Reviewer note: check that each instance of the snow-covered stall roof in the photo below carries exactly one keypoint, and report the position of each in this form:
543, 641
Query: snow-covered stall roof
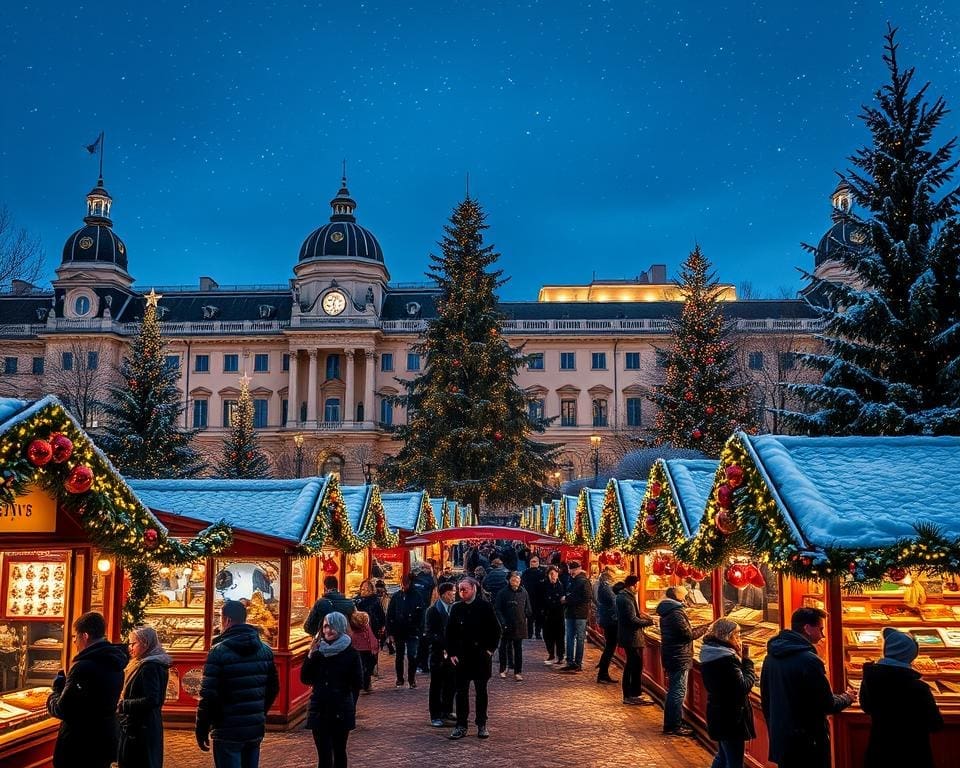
691, 481
403, 509
356, 498
441, 512
569, 514
631, 500
594, 499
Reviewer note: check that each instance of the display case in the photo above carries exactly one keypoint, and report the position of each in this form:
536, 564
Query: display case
303, 594
255, 583
177, 607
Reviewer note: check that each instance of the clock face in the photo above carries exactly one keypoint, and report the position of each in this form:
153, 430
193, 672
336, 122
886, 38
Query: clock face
334, 303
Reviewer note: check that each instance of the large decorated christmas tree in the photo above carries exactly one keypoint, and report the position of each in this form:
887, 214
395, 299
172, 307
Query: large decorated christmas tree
468, 431
892, 336
242, 456
702, 400
142, 435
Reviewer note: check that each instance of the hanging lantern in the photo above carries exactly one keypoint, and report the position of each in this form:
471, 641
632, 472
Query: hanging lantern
62, 447
39, 452
725, 522
79, 480
734, 475
650, 525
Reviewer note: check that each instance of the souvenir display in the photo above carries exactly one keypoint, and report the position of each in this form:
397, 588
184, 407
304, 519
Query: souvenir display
33, 589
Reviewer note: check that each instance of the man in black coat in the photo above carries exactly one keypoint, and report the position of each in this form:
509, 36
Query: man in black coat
630, 624
607, 619
441, 671
532, 580
405, 627
795, 694
576, 608
473, 634
85, 700
424, 582
333, 600
676, 653
239, 686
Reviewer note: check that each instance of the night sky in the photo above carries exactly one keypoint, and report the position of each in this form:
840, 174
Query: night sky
601, 137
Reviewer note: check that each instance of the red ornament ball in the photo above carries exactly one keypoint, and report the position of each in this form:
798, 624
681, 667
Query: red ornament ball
806, 561
711, 360
754, 576
651, 505
456, 363
696, 574
680, 570
725, 522
897, 574
151, 538
710, 410
696, 434
79, 480
736, 576
39, 452
498, 435
330, 565
852, 566
734, 475
657, 566
655, 490
725, 496
650, 525
62, 447
668, 568
688, 396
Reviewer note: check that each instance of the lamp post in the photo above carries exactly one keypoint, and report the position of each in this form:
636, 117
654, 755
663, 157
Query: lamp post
595, 443
556, 480
298, 452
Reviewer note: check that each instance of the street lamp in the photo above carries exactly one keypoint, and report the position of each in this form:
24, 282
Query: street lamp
595, 442
298, 442
556, 480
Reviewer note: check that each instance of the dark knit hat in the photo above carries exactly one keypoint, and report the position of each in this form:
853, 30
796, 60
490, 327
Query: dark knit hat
631, 580
573, 564
899, 646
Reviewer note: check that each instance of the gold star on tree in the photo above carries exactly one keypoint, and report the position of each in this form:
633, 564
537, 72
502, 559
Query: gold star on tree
153, 298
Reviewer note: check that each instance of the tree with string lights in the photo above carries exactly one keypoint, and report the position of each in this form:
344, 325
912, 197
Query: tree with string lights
469, 431
242, 456
142, 413
703, 399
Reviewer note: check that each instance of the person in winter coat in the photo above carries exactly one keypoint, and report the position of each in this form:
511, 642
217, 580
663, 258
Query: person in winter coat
496, 578
405, 627
369, 602
795, 694
366, 644
441, 671
508, 554
576, 608
901, 706
473, 634
607, 619
426, 584
676, 654
512, 606
144, 691
551, 595
532, 580
239, 686
334, 670
84, 700
630, 624
333, 600
728, 676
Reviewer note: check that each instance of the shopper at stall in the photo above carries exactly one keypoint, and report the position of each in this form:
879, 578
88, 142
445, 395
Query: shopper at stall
369, 602
903, 712
630, 624
496, 578
512, 606
333, 600
144, 691
676, 655
473, 633
532, 580
728, 676
607, 619
239, 686
576, 608
551, 602
334, 670
85, 699
405, 627
366, 644
795, 694
441, 671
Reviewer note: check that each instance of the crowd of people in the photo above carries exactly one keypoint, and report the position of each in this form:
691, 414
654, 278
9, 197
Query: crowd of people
452, 626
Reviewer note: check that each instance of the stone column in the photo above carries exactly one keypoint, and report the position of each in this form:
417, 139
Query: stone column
293, 393
312, 390
369, 405
349, 411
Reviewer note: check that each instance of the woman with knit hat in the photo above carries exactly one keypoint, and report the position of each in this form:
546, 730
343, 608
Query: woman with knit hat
902, 710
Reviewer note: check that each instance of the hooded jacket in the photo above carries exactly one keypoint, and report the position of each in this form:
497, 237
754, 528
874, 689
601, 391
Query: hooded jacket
86, 705
239, 685
677, 635
495, 580
728, 680
796, 698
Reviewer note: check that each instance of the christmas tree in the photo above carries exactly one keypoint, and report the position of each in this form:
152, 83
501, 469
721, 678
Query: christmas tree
892, 334
702, 400
468, 430
142, 435
242, 456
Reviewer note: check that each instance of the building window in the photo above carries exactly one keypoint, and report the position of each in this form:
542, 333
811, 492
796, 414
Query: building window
9, 365
386, 361
285, 363
788, 361
599, 413
535, 361
261, 363
662, 359
633, 361
598, 361
755, 361
413, 361
568, 361
173, 362
568, 413
386, 412
81, 306
38, 365
66, 361
331, 409
229, 409
231, 363
333, 366
93, 360
633, 411
284, 411
200, 414
535, 409
259, 413
201, 364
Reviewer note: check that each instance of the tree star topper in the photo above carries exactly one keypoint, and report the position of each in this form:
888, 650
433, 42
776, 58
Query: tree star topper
153, 298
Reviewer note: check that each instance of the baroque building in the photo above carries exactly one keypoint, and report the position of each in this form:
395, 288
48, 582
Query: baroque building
324, 351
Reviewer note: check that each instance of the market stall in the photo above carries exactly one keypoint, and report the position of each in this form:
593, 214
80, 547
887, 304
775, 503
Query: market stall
408, 513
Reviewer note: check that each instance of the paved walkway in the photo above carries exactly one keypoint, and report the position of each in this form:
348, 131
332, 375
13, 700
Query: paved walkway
549, 718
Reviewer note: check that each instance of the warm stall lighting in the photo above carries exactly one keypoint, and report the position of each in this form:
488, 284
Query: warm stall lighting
104, 565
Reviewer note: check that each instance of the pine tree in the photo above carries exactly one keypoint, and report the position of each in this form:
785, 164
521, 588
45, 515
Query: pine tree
892, 336
468, 431
242, 456
142, 436
701, 401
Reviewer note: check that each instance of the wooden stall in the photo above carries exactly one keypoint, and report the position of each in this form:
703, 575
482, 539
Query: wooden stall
408, 513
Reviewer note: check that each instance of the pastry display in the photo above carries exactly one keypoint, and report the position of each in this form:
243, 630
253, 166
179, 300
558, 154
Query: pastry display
30, 699
34, 589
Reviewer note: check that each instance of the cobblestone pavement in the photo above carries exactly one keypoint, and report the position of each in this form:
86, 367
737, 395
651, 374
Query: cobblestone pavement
550, 717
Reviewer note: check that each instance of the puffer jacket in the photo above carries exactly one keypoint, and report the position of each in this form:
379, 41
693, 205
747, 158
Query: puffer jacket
239, 685
728, 680
677, 635
495, 580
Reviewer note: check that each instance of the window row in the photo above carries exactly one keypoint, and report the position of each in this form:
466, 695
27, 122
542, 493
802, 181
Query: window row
786, 361
599, 411
231, 363
598, 361
332, 412
68, 362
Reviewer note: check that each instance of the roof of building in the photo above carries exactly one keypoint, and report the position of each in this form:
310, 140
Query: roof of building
342, 238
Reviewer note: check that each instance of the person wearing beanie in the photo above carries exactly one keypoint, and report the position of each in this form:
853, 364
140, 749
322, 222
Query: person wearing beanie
901, 706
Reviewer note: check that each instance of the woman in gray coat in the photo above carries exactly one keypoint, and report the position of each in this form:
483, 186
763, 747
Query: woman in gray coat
513, 609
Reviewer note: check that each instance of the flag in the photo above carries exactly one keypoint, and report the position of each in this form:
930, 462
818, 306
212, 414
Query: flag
92, 148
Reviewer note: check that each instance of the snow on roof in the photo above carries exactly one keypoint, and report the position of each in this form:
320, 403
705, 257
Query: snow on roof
356, 498
631, 497
691, 481
595, 498
437, 504
281, 509
403, 509
861, 492
544, 510
570, 510
10, 406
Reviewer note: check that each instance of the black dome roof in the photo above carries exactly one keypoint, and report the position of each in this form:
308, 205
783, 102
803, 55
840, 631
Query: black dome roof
342, 238
842, 237
95, 243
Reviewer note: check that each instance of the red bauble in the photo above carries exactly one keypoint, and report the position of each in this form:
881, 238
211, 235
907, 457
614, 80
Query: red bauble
151, 538
79, 480
696, 434
655, 490
710, 410
657, 566
897, 574
725, 496
711, 360
806, 561
680, 570
688, 396
651, 505
39, 452
696, 574
668, 568
498, 435
650, 525
736, 576
330, 565
62, 447
734, 474
725, 522
754, 576
852, 566
456, 363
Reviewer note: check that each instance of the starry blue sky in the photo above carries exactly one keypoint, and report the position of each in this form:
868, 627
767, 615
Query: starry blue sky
601, 137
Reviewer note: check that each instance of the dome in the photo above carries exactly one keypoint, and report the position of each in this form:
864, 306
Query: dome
342, 238
95, 243
842, 237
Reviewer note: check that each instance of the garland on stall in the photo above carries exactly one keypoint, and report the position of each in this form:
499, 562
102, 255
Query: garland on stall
658, 524
342, 536
551, 519
610, 533
444, 515
375, 529
579, 536
457, 518
563, 525
426, 520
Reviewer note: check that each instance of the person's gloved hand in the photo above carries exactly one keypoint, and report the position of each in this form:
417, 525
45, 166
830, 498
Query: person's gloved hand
59, 682
203, 739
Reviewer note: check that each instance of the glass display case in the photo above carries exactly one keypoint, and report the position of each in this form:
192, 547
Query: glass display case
176, 609
303, 594
662, 571
355, 571
750, 596
254, 582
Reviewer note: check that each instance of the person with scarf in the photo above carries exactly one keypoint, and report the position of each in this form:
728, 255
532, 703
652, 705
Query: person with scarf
367, 645
334, 670
144, 690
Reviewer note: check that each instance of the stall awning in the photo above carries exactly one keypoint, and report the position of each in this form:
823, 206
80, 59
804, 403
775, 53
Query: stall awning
484, 532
